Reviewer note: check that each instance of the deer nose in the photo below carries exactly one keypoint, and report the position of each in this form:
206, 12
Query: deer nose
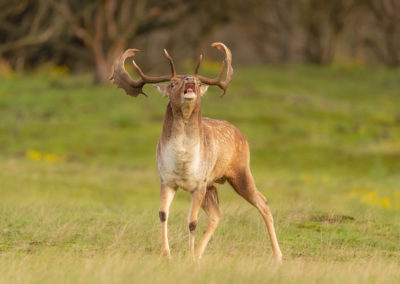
189, 79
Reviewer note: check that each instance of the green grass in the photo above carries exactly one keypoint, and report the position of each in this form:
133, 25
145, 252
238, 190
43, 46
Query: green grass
79, 191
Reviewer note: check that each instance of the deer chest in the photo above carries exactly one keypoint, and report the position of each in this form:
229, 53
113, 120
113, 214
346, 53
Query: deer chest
179, 164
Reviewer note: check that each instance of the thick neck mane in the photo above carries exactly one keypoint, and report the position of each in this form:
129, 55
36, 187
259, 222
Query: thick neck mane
177, 124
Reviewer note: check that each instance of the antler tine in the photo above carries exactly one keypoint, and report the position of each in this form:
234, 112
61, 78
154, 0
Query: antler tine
229, 71
171, 62
198, 64
122, 79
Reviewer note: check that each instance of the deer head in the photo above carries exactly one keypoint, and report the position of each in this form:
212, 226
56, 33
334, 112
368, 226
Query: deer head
182, 90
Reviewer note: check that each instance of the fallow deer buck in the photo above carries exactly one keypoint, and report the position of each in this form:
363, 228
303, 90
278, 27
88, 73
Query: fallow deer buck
194, 153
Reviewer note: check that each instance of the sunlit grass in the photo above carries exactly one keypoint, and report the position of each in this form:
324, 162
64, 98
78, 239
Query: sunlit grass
79, 191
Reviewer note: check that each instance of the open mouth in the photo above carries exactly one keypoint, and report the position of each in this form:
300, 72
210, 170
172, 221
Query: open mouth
189, 88
188, 92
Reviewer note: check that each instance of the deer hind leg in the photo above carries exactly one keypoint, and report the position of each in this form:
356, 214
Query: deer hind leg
197, 199
210, 205
167, 195
243, 183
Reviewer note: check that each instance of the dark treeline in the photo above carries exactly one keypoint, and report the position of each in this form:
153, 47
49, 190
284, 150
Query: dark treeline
91, 34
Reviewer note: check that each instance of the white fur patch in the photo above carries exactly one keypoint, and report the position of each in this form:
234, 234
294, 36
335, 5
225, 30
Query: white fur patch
163, 89
180, 163
203, 89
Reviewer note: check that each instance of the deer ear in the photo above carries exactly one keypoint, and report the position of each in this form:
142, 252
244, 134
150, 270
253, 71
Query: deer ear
203, 89
163, 89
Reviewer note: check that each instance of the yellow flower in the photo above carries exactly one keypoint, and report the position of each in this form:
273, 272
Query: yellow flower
51, 158
34, 155
370, 198
385, 202
46, 157
373, 198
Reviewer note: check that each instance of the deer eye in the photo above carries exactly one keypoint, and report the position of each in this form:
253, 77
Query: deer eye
199, 84
172, 85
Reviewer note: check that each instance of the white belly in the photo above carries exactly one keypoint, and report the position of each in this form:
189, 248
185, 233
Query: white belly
179, 164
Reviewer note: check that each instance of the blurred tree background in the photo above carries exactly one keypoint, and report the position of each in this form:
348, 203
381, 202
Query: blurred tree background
316, 91
85, 35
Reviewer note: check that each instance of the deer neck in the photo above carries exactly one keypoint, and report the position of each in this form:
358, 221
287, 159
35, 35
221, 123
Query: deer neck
182, 122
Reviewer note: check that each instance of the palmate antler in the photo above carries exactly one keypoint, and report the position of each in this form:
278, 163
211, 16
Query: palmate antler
123, 80
227, 62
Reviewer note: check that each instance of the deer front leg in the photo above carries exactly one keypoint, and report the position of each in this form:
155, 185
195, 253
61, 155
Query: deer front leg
196, 200
167, 195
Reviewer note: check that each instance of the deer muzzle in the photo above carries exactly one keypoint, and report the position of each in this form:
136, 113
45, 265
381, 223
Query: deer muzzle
189, 91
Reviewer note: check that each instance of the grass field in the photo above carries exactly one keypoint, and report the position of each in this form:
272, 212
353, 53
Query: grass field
79, 191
